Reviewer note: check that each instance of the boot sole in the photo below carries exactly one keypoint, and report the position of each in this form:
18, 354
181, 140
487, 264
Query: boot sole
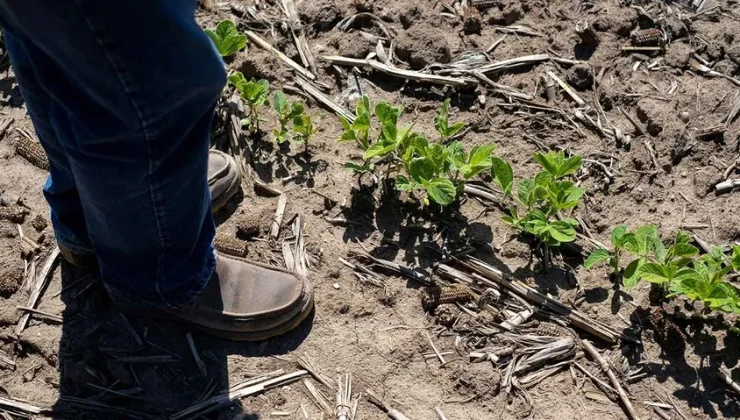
252, 336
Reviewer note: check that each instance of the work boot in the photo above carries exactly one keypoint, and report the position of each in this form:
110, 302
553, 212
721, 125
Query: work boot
223, 182
243, 301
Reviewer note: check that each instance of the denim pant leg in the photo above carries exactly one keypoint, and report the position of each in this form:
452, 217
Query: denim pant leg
60, 189
132, 87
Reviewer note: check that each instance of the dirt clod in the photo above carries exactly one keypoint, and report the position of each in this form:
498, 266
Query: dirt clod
677, 54
321, 14
650, 112
252, 224
7, 229
351, 44
621, 22
39, 223
422, 45
477, 380
581, 77
10, 281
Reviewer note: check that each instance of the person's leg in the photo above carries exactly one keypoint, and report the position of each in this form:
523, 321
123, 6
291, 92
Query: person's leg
132, 88
60, 190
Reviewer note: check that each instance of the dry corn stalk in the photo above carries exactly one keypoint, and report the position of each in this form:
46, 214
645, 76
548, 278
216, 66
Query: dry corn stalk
32, 152
346, 407
230, 246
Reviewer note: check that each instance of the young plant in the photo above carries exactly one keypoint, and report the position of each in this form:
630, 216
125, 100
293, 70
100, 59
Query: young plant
442, 122
706, 283
438, 171
639, 243
543, 198
304, 129
287, 112
254, 93
226, 38
359, 130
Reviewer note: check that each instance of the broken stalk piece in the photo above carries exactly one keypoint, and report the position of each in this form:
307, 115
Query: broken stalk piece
393, 414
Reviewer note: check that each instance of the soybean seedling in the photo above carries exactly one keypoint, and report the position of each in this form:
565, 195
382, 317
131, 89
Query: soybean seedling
226, 38
542, 199
286, 114
304, 129
706, 281
254, 93
442, 122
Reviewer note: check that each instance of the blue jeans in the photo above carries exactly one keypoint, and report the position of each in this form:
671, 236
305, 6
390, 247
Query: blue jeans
122, 95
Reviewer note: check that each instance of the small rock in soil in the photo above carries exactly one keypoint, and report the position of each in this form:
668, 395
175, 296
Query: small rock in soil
704, 181
676, 28
8, 315
512, 12
39, 223
422, 45
715, 51
471, 21
581, 77
321, 14
650, 111
10, 281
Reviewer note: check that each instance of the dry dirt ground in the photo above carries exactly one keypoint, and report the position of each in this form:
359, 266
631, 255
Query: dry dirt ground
79, 366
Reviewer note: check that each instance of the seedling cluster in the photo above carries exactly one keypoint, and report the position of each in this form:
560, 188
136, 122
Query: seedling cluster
435, 171
295, 124
678, 268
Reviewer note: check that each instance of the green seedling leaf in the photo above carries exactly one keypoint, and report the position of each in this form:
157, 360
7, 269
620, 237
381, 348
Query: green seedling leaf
557, 165
226, 38
422, 169
503, 174
280, 103
644, 237
404, 184
631, 276
359, 169
735, 257
479, 160
442, 123
441, 190
378, 150
618, 236
599, 255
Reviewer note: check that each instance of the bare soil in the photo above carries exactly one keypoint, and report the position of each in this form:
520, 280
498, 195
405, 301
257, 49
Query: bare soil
378, 333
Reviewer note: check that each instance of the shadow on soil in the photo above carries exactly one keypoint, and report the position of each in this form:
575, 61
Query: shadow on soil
116, 367
409, 229
679, 340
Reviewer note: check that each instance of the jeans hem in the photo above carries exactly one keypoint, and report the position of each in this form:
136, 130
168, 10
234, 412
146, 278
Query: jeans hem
175, 302
71, 245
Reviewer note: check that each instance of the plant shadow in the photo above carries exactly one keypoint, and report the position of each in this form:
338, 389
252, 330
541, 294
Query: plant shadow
679, 342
